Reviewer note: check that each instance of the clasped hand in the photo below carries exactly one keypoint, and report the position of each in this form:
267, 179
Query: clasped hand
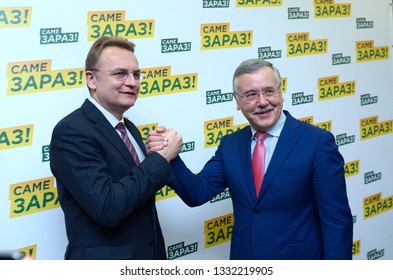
166, 142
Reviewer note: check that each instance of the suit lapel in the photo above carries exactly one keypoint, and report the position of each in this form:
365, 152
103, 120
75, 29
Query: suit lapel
244, 148
102, 125
288, 138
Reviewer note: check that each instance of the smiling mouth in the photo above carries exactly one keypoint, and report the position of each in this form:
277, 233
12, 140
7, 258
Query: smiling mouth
128, 93
263, 112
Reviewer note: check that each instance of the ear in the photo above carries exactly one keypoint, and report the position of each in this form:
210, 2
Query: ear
237, 103
90, 80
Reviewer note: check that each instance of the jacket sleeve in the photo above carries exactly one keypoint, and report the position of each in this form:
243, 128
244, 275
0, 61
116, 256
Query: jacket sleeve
331, 200
92, 174
197, 189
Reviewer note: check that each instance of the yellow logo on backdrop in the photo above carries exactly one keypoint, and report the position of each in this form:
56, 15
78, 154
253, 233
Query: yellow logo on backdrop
113, 23
17, 136
33, 196
299, 44
356, 248
146, 128
218, 36
15, 17
30, 251
365, 51
326, 125
37, 76
351, 168
258, 3
329, 9
284, 82
374, 205
164, 193
330, 87
216, 129
370, 127
218, 230
159, 81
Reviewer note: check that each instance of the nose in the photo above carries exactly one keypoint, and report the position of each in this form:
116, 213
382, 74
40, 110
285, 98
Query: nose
130, 80
263, 101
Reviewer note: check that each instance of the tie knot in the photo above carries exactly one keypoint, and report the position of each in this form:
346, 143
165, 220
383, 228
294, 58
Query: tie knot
121, 127
261, 136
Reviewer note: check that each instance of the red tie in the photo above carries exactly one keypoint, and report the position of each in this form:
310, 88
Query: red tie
258, 161
121, 127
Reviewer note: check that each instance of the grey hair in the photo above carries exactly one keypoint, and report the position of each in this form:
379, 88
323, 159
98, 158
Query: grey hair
251, 66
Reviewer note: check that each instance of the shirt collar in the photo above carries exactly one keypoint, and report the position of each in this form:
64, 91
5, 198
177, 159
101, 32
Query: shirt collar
275, 131
111, 118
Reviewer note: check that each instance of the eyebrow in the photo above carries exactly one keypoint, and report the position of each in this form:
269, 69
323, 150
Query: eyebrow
125, 70
265, 88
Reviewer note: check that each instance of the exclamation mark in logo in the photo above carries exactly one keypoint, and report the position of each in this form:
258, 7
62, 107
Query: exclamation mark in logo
150, 28
27, 139
81, 77
26, 16
284, 85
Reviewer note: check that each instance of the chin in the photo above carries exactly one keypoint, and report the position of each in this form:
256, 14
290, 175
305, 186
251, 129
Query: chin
263, 125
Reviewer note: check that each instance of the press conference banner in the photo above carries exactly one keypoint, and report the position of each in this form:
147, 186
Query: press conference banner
337, 73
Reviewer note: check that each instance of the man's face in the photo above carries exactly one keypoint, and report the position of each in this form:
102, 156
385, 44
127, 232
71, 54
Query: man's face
114, 94
263, 112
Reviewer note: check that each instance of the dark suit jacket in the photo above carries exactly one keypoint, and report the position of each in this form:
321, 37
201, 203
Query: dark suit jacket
108, 201
302, 211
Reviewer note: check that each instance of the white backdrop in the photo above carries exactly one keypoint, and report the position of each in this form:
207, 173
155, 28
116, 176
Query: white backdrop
334, 57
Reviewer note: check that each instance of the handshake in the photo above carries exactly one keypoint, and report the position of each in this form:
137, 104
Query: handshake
167, 142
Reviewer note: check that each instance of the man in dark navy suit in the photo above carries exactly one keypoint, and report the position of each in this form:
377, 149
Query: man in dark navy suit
301, 210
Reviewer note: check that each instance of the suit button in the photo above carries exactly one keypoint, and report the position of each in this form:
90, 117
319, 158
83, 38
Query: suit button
151, 243
256, 211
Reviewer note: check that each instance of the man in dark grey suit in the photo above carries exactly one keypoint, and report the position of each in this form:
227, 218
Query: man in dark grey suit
108, 198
